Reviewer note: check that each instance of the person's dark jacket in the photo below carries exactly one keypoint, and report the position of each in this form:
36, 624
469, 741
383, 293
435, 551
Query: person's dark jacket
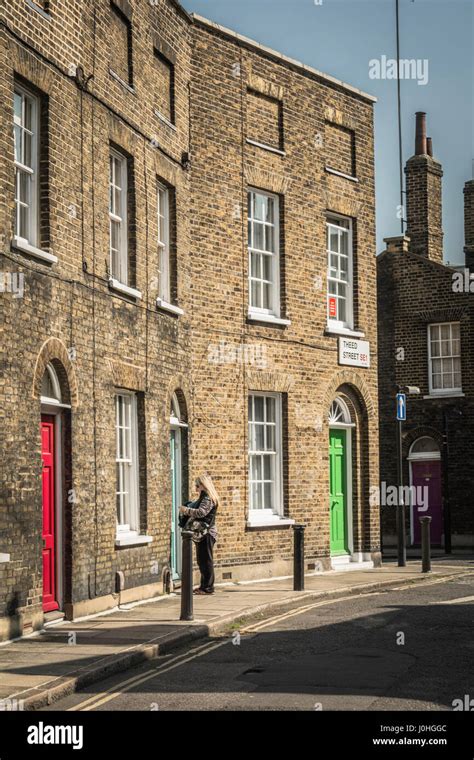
204, 510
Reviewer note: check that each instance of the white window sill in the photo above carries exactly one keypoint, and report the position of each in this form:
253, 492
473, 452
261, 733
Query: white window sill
166, 121
275, 522
254, 316
4, 558
132, 539
454, 394
343, 331
31, 4
265, 147
122, 82
23, 245
125, 289
169, 307
341, 174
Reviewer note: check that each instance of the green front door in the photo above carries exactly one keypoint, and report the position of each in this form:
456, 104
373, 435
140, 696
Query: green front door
338, 491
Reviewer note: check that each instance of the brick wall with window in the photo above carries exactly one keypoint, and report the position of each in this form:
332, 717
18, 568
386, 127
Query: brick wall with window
247, 315
425, 330
164, 86
103, 338
121, 57
31, 155
265, 119
340, 149
262, 342
425, 337
424, 334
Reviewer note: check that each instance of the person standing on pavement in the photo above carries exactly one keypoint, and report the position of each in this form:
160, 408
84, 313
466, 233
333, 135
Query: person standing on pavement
203, 510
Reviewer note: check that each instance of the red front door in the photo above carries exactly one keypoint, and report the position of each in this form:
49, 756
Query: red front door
49, 513
428, 475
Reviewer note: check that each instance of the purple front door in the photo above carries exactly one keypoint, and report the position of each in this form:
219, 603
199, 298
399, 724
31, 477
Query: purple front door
427, 475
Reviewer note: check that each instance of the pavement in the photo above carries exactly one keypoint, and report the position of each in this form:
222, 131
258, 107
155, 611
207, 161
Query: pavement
65, 657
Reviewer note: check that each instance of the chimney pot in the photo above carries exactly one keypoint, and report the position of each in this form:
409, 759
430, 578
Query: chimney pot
429, 146
420, 139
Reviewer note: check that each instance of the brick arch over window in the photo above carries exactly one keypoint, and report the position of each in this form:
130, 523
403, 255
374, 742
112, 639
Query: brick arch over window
424, 431
277, 382
183, 407
178, 387
359, 386
55, 352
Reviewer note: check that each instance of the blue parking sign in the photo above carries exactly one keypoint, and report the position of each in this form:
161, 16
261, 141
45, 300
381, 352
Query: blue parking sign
401, 406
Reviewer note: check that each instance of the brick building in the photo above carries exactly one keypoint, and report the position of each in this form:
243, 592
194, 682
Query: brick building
188, 282
282, 168
426, 340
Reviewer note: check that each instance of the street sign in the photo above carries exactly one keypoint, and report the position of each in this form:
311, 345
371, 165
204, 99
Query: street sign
355, 353
401, 407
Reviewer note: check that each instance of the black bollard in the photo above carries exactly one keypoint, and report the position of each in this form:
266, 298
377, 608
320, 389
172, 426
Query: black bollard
298, 558
425, 545
187, 577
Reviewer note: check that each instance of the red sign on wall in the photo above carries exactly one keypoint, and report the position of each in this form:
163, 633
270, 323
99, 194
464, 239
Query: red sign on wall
332, 307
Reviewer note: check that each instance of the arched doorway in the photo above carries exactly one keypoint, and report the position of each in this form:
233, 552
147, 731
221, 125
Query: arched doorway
340, 480
178, 429
426, 495
53, 410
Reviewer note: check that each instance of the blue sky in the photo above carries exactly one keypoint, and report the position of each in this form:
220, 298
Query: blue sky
340, 37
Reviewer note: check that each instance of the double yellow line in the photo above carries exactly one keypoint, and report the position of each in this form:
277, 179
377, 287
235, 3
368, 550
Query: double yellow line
101, 699
116, 691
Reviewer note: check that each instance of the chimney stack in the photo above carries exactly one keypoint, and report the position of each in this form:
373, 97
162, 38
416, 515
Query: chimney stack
400, 244
424, 197
469, 224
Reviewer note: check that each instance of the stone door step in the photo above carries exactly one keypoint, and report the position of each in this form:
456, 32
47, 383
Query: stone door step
53, 617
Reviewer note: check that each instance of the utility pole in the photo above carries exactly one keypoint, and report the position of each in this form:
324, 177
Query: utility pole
399, 102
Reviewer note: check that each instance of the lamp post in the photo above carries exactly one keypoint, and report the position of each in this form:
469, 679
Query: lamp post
402, 391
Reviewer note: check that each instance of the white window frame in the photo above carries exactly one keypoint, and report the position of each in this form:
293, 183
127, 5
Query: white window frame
119, 216
56, 398
163, 218
262, 515
431, 358
347, 324
274, 309
339, 414
129, 511
30, 171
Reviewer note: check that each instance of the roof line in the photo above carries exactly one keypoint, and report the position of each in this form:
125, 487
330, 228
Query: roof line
279, 56
418, 257
182, 10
